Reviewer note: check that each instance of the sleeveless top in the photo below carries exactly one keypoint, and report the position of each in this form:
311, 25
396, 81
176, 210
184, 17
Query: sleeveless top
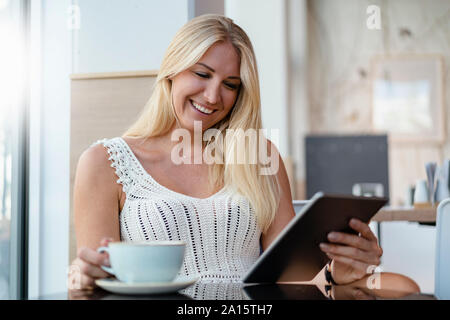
220, 232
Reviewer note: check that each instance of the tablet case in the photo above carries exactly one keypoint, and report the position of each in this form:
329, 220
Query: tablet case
295, 254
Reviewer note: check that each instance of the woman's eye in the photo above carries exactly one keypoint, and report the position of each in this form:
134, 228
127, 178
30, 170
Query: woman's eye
232, 86
202, 75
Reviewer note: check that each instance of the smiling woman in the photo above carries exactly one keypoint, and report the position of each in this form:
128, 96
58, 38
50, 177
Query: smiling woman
210, 63
208, 75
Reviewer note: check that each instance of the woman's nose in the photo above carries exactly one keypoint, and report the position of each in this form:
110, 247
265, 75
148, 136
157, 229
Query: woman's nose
212, 93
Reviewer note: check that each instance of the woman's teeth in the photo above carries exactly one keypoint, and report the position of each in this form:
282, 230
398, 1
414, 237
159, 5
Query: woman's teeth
202, 109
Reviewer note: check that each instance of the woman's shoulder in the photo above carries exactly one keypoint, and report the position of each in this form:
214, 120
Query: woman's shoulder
104, 150
98, 157
95, 157
94, 171
95, 176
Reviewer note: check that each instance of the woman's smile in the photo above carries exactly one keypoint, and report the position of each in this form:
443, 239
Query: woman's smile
201, 108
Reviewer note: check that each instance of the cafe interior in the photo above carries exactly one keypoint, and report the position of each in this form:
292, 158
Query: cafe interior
354, 94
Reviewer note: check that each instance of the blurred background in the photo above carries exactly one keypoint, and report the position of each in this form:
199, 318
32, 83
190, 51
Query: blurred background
357, 89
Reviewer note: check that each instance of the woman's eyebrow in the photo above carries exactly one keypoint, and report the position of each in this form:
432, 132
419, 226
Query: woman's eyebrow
212, 70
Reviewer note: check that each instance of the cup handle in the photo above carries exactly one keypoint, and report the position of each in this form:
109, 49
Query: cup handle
107, 269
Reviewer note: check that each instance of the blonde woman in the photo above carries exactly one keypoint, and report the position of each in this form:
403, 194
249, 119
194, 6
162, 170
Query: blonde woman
135, 188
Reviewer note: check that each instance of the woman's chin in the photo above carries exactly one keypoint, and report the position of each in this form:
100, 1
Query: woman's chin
194, 124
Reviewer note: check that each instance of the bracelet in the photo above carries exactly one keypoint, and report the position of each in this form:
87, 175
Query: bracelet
328, 292
328, 275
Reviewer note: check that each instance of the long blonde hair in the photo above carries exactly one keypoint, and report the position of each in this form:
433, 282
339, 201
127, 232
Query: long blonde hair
188, 46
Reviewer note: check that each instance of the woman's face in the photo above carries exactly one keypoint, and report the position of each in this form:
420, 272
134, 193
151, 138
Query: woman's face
207, 91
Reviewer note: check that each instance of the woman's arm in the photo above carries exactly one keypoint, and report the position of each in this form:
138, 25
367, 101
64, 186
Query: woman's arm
285, 210
95, 199
96, 214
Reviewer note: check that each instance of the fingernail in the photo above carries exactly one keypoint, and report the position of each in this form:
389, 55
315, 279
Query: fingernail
106, 262
332, 236
354, 222
323, 246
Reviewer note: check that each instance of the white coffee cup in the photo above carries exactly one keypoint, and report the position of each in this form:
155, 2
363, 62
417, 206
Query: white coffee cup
421, 192
149, 261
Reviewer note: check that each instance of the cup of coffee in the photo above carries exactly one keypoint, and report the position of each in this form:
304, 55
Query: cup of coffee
149, 261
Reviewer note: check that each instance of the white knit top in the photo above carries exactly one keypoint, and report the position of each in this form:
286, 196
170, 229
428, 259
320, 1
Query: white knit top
221, 233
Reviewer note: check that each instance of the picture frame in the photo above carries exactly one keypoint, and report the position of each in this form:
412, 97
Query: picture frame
407, 96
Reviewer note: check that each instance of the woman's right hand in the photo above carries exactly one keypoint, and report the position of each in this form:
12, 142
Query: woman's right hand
86, 268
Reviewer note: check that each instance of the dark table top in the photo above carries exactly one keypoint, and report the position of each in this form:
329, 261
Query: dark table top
376, 286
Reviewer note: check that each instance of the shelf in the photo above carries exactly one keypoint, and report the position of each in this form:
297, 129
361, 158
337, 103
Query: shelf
406, 214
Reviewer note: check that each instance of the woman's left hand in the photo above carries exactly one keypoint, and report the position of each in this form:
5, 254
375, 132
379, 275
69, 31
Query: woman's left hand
354, 256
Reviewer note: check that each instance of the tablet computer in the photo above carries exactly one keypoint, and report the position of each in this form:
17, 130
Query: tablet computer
295, 254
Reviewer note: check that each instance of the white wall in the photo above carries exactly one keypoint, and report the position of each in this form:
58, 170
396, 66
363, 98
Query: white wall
199, 7
264, 22
125, 35
49, 163
122, 35
297, 99
409, 249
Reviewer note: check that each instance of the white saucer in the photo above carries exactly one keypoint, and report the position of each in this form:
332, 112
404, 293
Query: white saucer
116, 286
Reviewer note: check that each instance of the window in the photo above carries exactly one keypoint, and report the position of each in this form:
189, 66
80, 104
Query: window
13, 147
5, 203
